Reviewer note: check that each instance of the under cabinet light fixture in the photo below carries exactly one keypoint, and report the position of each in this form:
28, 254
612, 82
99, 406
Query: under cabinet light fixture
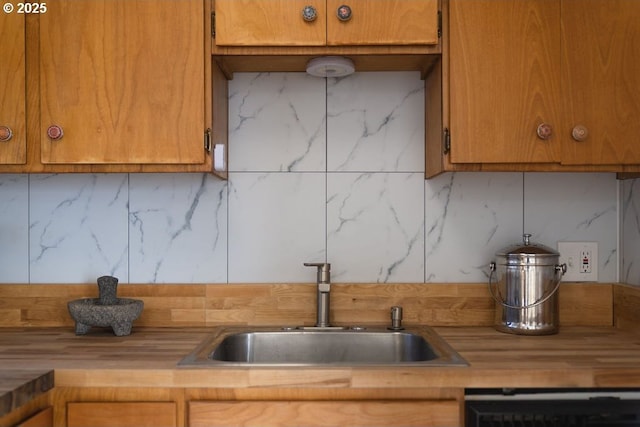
330, 66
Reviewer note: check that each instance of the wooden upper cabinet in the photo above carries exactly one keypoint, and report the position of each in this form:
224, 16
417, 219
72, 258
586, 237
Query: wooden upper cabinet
545, 81
504, 80
601, 80
281, 23
122, 82
13, 140
379, 22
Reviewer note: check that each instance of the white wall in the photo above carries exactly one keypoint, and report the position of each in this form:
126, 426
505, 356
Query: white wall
319, 169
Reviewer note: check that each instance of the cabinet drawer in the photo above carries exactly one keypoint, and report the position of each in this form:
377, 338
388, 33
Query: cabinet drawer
121, 414
44, 418
441, 413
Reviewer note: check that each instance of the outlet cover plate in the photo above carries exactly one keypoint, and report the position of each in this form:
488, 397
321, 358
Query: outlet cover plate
581, 259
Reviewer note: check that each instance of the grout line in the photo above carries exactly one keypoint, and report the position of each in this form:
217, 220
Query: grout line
28, 228
523, 205
424, 231
359, 171
128, 228
619, 226
326, 170
228, 195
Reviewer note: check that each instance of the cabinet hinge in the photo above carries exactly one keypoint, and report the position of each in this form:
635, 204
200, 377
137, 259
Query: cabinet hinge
439, 24
207, 140
446, 141
213, 25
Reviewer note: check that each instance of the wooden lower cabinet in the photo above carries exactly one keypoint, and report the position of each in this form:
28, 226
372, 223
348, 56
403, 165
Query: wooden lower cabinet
121, 414
256, 406
441, 413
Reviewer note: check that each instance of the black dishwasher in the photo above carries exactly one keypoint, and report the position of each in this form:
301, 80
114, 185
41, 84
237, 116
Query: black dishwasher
552, 407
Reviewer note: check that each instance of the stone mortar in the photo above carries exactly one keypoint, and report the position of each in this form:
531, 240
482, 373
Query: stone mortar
88, 312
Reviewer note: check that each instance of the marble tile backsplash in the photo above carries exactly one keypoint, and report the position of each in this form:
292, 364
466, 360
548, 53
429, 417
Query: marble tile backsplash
320, 169
630, 235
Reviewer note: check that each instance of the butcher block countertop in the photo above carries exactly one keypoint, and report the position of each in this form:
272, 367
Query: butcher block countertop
579, 356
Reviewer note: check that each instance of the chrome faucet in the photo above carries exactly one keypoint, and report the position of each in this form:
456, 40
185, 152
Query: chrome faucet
324, 289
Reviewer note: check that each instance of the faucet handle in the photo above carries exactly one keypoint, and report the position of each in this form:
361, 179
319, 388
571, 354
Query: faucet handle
318, 264
324, 270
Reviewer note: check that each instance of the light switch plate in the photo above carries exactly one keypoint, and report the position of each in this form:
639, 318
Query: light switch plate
581, 259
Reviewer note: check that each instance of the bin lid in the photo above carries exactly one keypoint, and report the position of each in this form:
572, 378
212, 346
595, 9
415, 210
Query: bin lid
527, 248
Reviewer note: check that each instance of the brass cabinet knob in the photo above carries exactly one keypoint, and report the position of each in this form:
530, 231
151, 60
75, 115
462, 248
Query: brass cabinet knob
544, 131
580, 133
5, 133
309, 13
344, 13
54, 132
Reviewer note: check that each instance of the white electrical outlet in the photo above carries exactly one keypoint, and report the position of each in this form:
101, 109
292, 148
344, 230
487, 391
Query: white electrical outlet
585, 261
581, 259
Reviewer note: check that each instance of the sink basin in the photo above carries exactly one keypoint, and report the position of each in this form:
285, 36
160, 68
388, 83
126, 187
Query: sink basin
237, 346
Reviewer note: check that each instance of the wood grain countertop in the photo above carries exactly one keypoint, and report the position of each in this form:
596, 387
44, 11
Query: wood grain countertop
578, 356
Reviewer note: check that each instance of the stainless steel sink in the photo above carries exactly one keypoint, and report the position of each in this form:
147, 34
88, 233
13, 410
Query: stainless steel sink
310, 346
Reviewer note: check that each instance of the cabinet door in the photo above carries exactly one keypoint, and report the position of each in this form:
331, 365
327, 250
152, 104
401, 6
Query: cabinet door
504, 80
124, 80
13, 141
383, 22
44, 418
121, 414
268, 23
441, 413
601, 79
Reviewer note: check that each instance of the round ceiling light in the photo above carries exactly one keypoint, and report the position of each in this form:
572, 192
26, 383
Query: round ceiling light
330, 66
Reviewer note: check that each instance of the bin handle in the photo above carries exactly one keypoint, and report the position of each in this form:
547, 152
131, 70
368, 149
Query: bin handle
560, 268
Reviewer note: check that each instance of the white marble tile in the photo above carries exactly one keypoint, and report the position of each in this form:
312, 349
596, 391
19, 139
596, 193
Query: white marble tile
575, 207
375, 227
630, 200
375, 122
276, 223
178, 228
276, 122
14, 228
469, 217
78, 227
372, 215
